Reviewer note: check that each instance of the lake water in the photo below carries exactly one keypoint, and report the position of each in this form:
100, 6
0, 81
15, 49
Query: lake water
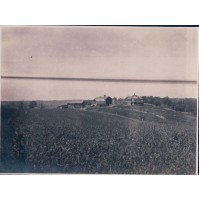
24, 89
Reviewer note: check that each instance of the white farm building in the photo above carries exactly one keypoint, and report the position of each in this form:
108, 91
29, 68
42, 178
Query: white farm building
134, 100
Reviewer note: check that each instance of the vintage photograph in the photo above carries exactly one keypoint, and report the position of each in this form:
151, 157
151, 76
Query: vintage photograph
99, 100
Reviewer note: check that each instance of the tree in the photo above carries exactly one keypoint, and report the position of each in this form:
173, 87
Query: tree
166, 100
151, 100
144, 99
157, 102
33, 104
42, 106
21, 105
109, 100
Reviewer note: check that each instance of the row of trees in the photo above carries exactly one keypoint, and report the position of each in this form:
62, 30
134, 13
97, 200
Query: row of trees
182, 105
31, 105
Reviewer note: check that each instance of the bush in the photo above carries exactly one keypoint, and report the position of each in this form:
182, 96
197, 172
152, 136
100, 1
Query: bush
33, 104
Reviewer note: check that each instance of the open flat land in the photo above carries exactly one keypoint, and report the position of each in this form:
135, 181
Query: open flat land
115, 139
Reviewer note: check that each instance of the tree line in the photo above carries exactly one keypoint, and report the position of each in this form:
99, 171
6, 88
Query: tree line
177, 104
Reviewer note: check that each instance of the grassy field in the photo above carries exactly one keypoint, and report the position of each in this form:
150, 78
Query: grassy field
138, 140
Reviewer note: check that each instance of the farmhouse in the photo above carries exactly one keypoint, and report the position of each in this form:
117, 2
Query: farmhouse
101, 101
134, 100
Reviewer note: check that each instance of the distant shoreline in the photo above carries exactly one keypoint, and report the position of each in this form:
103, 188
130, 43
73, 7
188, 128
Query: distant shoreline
101, 79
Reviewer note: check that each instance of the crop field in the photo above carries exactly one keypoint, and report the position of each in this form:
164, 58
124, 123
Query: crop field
114, 140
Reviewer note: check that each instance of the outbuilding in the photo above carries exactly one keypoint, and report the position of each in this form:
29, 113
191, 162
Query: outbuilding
86, 103
75, 103
101, 100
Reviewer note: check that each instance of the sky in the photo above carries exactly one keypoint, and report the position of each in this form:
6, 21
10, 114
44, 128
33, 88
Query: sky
97, 52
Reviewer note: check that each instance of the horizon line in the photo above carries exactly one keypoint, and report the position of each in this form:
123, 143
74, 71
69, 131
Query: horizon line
99, 79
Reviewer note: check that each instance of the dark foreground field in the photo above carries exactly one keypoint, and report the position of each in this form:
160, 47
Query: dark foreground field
142, 140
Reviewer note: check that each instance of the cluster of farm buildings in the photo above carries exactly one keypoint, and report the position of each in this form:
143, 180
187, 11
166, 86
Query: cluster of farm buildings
103, 101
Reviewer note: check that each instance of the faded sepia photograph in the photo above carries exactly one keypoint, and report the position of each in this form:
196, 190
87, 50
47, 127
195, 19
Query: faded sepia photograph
99, 100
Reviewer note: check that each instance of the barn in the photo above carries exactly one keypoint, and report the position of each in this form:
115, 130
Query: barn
134, 100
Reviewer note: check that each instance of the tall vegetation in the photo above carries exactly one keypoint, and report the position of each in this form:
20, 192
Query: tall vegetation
76, 141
